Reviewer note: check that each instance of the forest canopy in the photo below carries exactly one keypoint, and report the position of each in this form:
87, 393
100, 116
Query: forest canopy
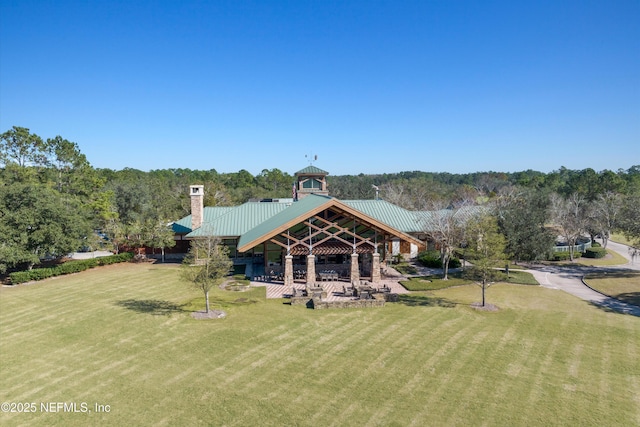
52, 178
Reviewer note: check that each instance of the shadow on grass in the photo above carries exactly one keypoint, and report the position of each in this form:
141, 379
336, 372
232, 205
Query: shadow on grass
151, 306
611, 273
629, 298
612, 305
424, 301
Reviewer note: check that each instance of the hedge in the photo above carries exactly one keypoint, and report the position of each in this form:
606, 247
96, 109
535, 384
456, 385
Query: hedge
67, 268
564, 256
597, 252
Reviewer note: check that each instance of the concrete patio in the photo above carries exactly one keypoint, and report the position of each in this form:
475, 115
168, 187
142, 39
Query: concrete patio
333, 289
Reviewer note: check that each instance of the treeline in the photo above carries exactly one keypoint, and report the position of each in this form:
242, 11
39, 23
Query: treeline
52, 201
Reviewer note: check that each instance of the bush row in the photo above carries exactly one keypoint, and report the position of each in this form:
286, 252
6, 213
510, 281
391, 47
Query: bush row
432, 259
565, 256
67, 268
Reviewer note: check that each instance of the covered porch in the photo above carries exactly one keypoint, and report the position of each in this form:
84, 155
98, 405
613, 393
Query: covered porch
320, 239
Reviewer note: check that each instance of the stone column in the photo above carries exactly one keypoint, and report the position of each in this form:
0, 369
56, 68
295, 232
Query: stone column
355, 270
311, 270
375, 268
288, 270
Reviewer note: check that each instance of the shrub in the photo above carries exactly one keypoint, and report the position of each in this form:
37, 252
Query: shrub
20, 277
595, 244
432, 259
67, 268
597, 252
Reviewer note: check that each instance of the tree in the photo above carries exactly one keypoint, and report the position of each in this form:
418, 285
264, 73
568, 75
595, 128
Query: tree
485, 249
160, 235
137, 237
445, 227
522, 215
570, 216
73, 174
115, 232
36, 222
206, 264
603, 215
19, 146
629, 219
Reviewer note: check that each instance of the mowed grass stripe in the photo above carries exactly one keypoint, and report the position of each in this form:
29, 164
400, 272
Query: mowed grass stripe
320, 365
429, 366
630, 351
512, 356
312, 355
386, 374
312, 388
254, 357
408, 382
452, 372
355, 388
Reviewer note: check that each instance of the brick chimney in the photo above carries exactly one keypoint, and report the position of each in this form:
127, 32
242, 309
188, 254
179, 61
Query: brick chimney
197, 205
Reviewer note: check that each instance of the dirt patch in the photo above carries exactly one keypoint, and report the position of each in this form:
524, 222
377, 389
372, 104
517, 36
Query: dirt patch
486, 307
212, 314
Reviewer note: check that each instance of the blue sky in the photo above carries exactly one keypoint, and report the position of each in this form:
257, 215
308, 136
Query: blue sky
367, 86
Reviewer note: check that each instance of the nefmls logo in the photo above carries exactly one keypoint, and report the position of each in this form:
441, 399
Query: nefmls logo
64, 407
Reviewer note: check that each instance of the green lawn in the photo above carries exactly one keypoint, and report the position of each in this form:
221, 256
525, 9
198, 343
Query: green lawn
613, 258
622, 285
120, 336
621, 238
435, 282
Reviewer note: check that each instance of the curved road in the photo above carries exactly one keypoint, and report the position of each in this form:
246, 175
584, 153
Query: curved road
569, 279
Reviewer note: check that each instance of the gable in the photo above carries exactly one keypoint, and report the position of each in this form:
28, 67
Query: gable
301, 211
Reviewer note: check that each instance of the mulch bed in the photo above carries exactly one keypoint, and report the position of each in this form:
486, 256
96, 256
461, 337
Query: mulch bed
212, 314
487, 307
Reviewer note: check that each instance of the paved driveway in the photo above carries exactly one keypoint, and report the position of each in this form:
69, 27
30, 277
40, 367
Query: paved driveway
569, 279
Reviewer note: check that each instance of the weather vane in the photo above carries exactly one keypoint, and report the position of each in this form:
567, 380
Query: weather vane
311, 157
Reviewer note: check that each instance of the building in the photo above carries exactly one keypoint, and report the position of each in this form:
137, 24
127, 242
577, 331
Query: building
310, 233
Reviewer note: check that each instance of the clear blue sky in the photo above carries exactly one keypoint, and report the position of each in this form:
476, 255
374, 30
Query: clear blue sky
368, 86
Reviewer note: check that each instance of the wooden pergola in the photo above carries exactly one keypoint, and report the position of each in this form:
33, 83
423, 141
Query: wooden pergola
328, 227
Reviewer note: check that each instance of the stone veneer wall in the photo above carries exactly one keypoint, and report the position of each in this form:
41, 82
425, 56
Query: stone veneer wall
316, 303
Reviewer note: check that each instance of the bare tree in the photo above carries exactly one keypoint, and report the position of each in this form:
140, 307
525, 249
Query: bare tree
570, 216
603, 215
629, 222
398, 194
445, 227
407, 194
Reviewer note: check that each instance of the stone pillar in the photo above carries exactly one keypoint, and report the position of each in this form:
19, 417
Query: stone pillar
355, 270
311, 270
288, 270
375, 268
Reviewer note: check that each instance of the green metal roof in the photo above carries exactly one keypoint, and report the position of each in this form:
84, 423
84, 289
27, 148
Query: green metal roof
301, 208
387, 213
237, 220
183, 225
311, 170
